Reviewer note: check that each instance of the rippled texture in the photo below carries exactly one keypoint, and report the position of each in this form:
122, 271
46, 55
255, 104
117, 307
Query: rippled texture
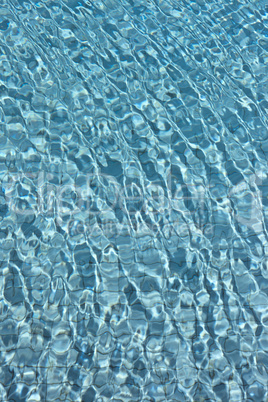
133, 200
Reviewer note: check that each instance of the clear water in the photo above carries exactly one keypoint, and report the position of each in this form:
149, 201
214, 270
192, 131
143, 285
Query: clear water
133, 200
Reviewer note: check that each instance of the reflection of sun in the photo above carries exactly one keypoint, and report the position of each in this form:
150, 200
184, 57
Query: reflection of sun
245, 103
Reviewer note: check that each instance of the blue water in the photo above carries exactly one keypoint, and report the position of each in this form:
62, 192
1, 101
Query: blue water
133, 200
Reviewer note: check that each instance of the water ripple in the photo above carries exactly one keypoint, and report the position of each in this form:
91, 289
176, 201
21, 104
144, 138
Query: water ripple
133, 200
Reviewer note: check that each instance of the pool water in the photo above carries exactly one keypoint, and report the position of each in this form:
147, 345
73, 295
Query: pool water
133, 200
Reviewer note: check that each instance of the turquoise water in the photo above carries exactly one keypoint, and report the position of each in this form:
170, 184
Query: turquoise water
133, 200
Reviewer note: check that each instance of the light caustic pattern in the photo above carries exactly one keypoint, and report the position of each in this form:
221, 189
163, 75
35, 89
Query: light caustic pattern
133, 200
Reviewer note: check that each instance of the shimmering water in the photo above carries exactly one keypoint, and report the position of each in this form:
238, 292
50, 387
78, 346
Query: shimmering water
133, 200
